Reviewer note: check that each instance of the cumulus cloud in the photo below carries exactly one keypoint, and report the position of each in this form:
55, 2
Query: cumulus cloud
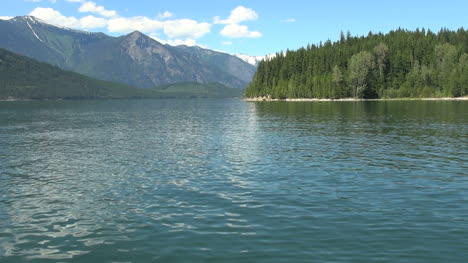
177, 42
89, 22
237, 31
5, 17
180, 28
233, 29
53, 16
56, 18
186, 28
166, 14
238, 14
91, 7
129, 24
179, 31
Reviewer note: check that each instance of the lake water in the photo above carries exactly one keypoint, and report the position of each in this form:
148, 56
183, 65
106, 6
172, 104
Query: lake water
232, 181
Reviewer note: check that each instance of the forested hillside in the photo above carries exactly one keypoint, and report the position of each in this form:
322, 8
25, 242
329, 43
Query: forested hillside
399, 64
25, 78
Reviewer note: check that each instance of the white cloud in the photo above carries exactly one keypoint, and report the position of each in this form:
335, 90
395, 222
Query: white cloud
238, 14
233, 29
5, 17
56, 18
290, 20
89, 22
177, 42
91, 7
140, 23
179, 31
227, 43
166, 14
186, 28
188, 42
237, 31
180, 28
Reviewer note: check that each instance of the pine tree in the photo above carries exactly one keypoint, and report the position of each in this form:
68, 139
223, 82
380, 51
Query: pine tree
398, 64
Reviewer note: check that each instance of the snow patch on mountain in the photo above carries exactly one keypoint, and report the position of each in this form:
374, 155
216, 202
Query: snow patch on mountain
34, 32
37, 21
254, 60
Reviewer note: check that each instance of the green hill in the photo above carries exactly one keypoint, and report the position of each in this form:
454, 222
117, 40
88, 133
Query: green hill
398, 64
25, 78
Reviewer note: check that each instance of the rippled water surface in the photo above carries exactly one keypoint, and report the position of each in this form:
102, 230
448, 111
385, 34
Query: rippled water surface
232, 181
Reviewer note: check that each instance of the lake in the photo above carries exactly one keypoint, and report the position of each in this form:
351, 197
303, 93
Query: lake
231, 181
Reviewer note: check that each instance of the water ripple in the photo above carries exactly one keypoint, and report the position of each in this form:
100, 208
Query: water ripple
229, 181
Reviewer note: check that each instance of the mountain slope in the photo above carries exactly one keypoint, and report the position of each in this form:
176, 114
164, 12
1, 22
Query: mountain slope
134, 59
25, 78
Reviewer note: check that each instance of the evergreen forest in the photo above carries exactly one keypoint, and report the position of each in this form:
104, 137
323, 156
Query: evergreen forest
399, 64
25, 78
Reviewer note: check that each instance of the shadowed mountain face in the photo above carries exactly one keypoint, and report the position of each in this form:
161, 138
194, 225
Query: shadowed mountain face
26, 78
134, 59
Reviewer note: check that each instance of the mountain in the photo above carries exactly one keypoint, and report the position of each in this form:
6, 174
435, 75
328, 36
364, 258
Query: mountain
254, 60
25, 78
398, 64
134, 59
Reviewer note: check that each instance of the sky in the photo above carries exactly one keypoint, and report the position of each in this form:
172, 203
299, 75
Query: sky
252, 27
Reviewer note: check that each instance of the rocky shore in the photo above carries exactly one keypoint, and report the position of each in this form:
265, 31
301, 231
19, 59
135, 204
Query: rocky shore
348, 99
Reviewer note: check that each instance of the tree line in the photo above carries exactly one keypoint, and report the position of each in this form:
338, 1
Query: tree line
398, 64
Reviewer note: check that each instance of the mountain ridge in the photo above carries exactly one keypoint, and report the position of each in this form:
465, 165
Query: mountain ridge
134, 59
24, 78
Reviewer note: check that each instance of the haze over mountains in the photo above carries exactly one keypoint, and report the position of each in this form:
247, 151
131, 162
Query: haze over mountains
134, 59
24, 78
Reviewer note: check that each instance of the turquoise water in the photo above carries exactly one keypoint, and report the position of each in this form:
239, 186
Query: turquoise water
232, 181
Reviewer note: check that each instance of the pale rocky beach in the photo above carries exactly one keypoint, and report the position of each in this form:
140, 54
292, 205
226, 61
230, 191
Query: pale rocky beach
351, 99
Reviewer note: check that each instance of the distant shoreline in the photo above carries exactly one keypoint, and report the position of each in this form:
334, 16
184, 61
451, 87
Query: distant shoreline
112, 98
256, 99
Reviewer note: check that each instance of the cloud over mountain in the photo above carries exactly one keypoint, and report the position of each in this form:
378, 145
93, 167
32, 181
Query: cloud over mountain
233, 29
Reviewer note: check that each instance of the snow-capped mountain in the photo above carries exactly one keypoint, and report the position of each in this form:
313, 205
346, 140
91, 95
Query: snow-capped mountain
135, 59
254, 60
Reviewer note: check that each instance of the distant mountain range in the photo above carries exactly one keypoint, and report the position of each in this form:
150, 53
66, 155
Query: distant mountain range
134, 59
25, 78
254, 60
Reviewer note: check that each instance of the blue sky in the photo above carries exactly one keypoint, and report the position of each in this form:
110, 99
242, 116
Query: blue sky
253, 27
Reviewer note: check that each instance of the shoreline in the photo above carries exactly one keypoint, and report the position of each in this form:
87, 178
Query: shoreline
130, 98
260, 99
268, 99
